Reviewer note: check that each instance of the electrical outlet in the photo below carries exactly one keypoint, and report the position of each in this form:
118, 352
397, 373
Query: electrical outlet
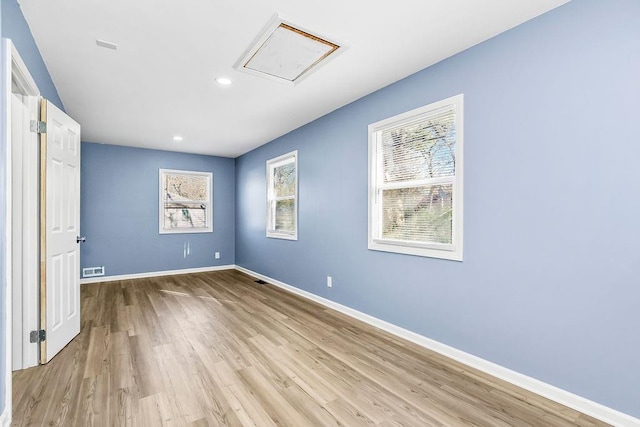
329, 282
217, 255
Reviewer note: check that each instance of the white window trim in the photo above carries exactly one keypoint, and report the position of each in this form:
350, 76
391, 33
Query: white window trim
271, 164
433, 250
209, 228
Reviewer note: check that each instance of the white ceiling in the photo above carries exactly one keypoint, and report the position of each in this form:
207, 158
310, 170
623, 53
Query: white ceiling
160, 81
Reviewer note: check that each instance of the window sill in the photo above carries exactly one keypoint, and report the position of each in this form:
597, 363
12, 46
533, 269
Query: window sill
452, 255
283, 236
186, 231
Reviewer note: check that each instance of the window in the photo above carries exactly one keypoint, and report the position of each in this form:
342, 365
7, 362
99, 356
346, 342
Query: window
185, 202
415, 181
282, 197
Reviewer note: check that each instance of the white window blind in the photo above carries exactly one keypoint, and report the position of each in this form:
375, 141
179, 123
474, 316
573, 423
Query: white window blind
415, 183
282, 196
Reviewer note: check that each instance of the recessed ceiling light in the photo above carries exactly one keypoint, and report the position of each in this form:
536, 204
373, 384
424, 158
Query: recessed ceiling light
177, 138
223, 81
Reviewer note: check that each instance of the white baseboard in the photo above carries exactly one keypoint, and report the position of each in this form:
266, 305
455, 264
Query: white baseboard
581, 404
101, 279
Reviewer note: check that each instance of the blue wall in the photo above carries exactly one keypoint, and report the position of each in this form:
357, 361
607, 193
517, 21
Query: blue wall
15, 27
119, 211
549, 282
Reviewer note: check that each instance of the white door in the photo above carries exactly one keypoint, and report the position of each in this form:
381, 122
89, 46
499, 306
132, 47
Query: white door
60, 229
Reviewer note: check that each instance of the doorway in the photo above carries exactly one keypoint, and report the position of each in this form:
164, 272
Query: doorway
44, 199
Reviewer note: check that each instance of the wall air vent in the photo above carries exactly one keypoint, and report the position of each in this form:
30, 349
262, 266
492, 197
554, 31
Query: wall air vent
284, 52
93, 271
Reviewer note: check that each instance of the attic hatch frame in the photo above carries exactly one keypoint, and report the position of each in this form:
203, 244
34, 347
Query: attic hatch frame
278, 22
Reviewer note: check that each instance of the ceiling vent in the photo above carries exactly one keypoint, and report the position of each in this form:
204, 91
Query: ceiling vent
287, 53
106, 44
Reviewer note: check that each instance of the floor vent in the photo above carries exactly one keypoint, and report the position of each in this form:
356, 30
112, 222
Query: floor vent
260, 282
93, 271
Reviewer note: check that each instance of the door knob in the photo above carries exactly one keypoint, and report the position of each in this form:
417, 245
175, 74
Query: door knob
81, 239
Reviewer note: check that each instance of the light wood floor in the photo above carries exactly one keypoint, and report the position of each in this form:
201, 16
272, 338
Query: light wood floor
218, 349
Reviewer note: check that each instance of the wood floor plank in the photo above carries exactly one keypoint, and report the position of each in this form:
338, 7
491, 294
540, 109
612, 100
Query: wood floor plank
217, 349
271, 399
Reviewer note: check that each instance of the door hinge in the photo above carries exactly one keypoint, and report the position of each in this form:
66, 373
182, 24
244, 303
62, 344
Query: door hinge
38, 336
38, 127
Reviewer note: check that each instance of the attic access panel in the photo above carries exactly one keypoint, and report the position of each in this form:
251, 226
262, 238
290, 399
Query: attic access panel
286, 53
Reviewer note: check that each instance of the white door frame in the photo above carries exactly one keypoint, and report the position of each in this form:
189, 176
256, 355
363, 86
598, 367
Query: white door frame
17, 77
25, 148
5, 93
